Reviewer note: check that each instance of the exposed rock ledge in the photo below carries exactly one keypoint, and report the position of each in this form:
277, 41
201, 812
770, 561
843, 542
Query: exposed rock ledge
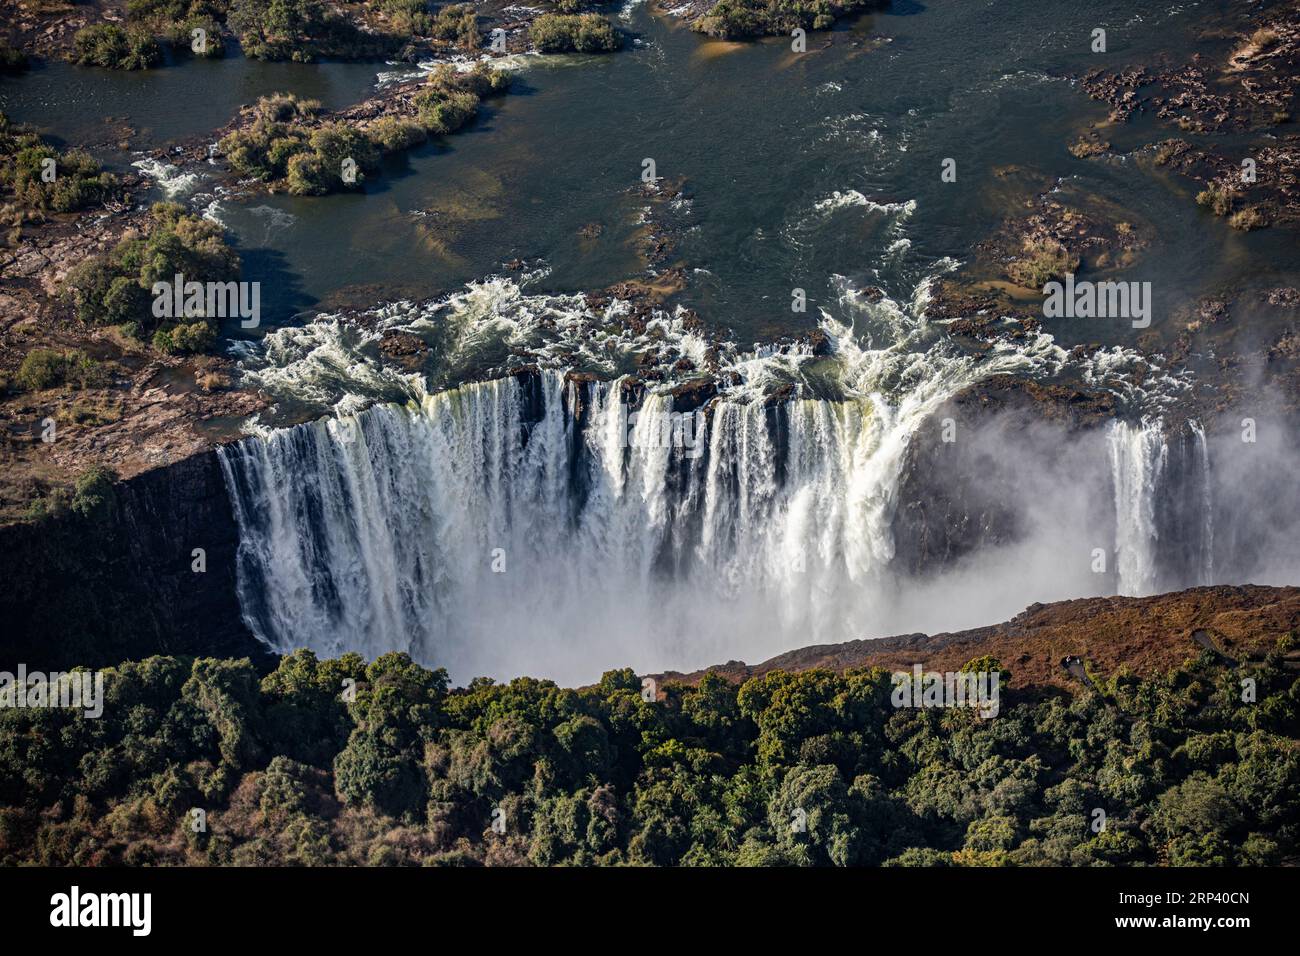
1145, 634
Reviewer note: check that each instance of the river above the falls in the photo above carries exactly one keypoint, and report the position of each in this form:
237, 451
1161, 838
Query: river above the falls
808, 171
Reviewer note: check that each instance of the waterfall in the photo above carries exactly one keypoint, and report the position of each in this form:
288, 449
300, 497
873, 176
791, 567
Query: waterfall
1164, 515
542, 506
1206, 508
1138, 456
552, 521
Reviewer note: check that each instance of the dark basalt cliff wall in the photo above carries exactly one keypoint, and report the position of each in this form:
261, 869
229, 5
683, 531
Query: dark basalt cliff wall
958, 497
118, 584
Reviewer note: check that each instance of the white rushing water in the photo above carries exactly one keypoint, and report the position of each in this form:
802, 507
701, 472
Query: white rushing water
1140, 458
171, 180
435, 528
528, 524
1206, 503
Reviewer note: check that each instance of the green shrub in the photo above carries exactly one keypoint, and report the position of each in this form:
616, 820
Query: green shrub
309, 160
130, 329
277, 134
483, 80
302, 31
185, 338
85, 372
163, 341
46, 368
41, 368
335, 143
444, 112
274, 29
176, 21
150, 11
25, 160
109, 45
116, 288
456, 23
583, 33
409, 16
181, 37
48, 506
737, 19
194, 337
317, 167
93, 491
393, 134
287, 143
372, 771
450, 99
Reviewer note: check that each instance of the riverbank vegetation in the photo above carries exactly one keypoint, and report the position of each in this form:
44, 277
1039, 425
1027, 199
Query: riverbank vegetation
36, 178
47, 368
454, 23
574, 33
741, 19
450, 99
188, 26
115, 289
343, 762
91, 494
289, 144
116, 48
279, 147
302, 31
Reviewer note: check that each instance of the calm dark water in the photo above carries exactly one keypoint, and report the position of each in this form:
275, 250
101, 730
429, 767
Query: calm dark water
763, 138
88, 105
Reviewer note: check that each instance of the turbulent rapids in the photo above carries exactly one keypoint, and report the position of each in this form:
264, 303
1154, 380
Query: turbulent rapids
533, 515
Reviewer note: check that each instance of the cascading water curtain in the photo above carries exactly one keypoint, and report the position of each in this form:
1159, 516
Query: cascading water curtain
1164, 509
524, 518
432, 529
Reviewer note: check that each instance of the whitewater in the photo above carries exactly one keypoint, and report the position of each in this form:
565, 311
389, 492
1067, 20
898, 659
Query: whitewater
511, 525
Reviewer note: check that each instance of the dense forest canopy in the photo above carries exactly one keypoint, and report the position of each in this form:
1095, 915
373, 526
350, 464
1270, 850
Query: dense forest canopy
343, 762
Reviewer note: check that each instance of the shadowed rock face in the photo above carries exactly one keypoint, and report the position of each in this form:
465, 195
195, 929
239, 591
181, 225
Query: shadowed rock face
958, 498
119, 585
951, 504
